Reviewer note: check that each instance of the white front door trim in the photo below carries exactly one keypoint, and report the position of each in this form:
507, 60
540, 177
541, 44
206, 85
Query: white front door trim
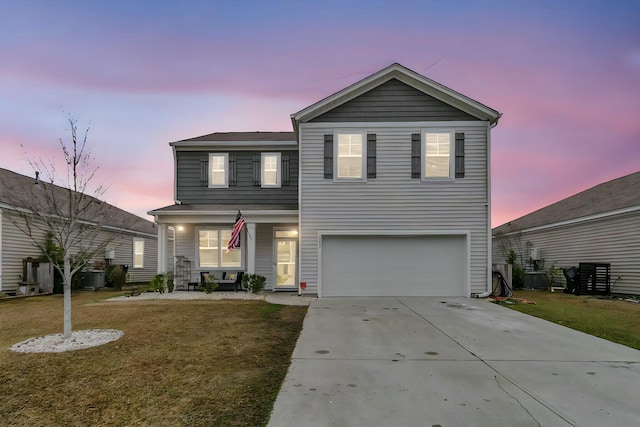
275, 258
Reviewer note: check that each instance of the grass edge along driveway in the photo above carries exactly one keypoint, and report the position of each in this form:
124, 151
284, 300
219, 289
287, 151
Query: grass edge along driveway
613, 320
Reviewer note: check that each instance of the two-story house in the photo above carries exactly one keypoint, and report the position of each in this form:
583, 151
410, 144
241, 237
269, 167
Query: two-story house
382, 188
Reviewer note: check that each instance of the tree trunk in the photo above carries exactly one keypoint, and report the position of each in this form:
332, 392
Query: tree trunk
67, 298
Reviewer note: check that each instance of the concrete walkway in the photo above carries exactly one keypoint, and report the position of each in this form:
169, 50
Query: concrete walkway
284, 298
451, 362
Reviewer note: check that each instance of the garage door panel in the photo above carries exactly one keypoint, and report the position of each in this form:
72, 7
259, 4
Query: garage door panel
394, 266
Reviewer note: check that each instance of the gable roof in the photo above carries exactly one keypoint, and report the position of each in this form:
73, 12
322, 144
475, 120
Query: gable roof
243, 136
238, 141
614, 195
404, 75
15, 187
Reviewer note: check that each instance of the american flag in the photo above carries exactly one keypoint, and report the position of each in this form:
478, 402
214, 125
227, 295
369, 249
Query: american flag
234, 240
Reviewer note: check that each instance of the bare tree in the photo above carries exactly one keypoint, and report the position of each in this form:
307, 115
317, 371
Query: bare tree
79, 225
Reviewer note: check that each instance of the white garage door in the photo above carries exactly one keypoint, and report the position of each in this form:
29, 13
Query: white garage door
394, 266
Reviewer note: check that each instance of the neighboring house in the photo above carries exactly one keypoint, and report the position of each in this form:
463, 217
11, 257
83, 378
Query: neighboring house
135, 244
382, 188
598, 225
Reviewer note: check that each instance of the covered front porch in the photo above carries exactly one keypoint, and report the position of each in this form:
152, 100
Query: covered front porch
193, 239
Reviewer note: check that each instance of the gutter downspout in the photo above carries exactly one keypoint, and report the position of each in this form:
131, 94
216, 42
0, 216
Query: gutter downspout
489, 243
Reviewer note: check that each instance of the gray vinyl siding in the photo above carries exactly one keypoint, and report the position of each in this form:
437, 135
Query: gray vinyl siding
264, 253
191, 189
150, 261
391, 102
393, 201
614, 240
186, 247
16, 246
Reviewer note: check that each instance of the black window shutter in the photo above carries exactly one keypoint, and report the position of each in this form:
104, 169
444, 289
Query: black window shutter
285, 174
204, 170
460, 155
233, 180
257, 176
328, 156
415, 155
371, 155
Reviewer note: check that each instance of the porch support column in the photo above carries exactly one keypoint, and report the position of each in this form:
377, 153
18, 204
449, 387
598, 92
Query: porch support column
162, 248
251, 247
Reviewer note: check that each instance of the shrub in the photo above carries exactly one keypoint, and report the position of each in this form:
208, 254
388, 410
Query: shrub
253, 283
157, 284
115, 276
554, 276
209, 284
170, 285
517, 277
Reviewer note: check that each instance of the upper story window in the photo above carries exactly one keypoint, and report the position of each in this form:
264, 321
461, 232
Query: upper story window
138, 253
271, 175
436, 154
350, 156
218, 170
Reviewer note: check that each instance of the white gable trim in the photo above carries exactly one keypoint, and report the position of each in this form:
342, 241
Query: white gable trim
409, 77
377, 125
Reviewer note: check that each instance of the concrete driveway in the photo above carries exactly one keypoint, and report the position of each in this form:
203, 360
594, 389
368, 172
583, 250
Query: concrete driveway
451, 362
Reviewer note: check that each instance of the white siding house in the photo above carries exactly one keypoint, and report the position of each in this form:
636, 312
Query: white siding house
124, 230
382, 188
398, 230
598, 225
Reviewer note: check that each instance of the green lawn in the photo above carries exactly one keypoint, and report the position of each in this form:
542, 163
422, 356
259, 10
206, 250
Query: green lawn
196, 363
617, 321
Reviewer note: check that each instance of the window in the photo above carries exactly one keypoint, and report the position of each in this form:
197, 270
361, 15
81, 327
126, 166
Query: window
271, 174
218, 170
212, 249
138, 253
350, 156
436, 155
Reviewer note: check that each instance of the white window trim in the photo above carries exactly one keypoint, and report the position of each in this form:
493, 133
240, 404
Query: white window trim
452, 155
221, 249
278, 183
336, 144
135, 240
226, 170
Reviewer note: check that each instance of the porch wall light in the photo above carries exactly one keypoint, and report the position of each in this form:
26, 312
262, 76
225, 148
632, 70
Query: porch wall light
180, 228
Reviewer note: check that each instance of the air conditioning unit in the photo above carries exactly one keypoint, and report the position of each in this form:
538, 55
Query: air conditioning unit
535, 254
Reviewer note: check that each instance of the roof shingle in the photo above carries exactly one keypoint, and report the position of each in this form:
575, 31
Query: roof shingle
14, 187
613, 195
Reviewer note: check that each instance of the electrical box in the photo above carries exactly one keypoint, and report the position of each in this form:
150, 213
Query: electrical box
110, 254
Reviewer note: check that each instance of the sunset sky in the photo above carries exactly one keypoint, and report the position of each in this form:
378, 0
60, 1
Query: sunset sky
565, 75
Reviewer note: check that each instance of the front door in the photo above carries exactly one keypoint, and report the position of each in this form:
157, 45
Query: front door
285, 255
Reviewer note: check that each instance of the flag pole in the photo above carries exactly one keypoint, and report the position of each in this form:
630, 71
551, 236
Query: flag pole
247, 229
